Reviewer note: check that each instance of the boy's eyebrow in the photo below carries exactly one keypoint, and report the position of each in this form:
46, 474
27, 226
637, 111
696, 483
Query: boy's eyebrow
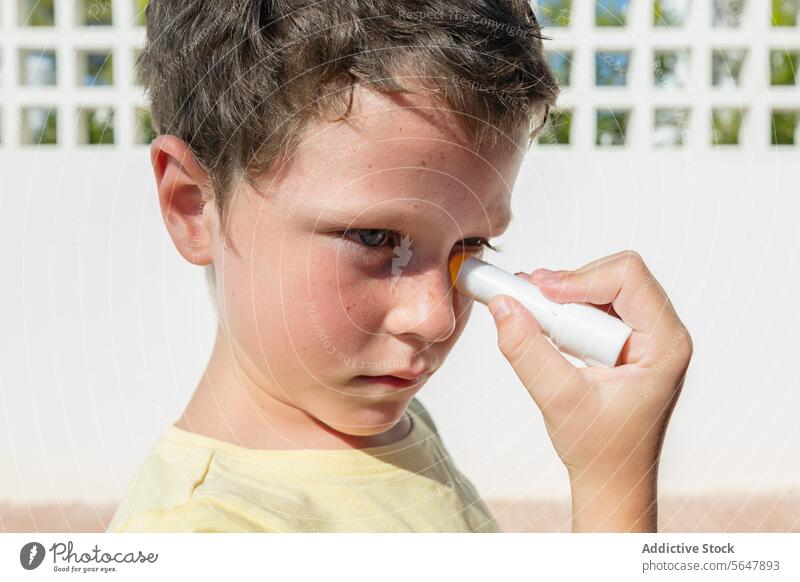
391, 219
356, 216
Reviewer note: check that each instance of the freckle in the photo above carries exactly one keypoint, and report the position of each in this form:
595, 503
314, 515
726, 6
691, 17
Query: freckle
369, 165
423, 163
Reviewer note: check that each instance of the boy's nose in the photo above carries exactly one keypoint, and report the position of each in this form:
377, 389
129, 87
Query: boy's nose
422, 304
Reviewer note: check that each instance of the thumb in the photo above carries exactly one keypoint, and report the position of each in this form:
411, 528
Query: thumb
539, 365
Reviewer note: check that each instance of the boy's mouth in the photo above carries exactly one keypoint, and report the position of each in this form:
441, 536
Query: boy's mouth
394, 381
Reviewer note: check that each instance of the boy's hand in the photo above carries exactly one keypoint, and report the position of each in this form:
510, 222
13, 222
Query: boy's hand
607, 425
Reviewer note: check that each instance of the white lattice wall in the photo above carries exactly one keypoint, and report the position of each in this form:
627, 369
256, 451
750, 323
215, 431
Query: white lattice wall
70, 41
755, 97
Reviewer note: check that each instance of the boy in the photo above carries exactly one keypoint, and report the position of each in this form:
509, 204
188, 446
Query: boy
323, 161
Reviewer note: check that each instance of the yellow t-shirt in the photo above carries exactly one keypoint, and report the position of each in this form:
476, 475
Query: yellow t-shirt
195, 483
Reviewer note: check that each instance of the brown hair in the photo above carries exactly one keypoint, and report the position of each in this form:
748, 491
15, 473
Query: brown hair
239, 80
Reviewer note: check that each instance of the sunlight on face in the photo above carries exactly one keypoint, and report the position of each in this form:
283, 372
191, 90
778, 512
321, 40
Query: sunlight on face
342, 269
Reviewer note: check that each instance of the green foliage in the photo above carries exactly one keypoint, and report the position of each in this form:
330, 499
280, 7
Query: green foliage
784, 12
99, 69
47, 132
557, 130
664, 66
666, 16
145, 132
554, 12
139, 15
611, 127
611, 12
99, 127
38, 13
97, 12
784, 127
783, 67
658, 13
725, 125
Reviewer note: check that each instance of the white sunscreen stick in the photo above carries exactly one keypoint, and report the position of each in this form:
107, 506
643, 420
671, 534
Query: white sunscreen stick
578, 329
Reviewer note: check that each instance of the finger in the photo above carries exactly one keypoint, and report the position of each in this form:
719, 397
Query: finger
539, 272
602, 260
622, 280
607, 307
549, 378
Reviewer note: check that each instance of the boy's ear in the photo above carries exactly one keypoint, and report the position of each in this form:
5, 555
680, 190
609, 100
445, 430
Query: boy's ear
182, 196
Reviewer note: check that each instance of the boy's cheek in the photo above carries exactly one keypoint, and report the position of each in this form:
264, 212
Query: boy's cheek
330, 323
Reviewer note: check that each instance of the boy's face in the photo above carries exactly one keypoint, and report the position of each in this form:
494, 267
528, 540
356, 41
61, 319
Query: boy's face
339, 271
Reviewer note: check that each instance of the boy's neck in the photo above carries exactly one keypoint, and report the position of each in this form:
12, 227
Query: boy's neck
229, 405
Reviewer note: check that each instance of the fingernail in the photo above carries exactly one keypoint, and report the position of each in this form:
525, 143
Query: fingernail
501, 309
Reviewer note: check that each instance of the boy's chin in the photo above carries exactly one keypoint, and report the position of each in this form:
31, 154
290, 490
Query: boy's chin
367, 432
371, 422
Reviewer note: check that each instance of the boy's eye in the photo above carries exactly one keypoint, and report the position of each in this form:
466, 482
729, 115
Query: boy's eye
371, 237
476, 241
375, 238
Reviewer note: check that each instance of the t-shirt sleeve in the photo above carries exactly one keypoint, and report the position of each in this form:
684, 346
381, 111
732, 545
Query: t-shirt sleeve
166, 495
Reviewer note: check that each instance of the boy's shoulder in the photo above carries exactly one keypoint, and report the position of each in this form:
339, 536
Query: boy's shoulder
162, 495
162, 485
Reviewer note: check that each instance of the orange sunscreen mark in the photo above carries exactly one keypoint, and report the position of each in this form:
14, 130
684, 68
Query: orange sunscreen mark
455, 266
